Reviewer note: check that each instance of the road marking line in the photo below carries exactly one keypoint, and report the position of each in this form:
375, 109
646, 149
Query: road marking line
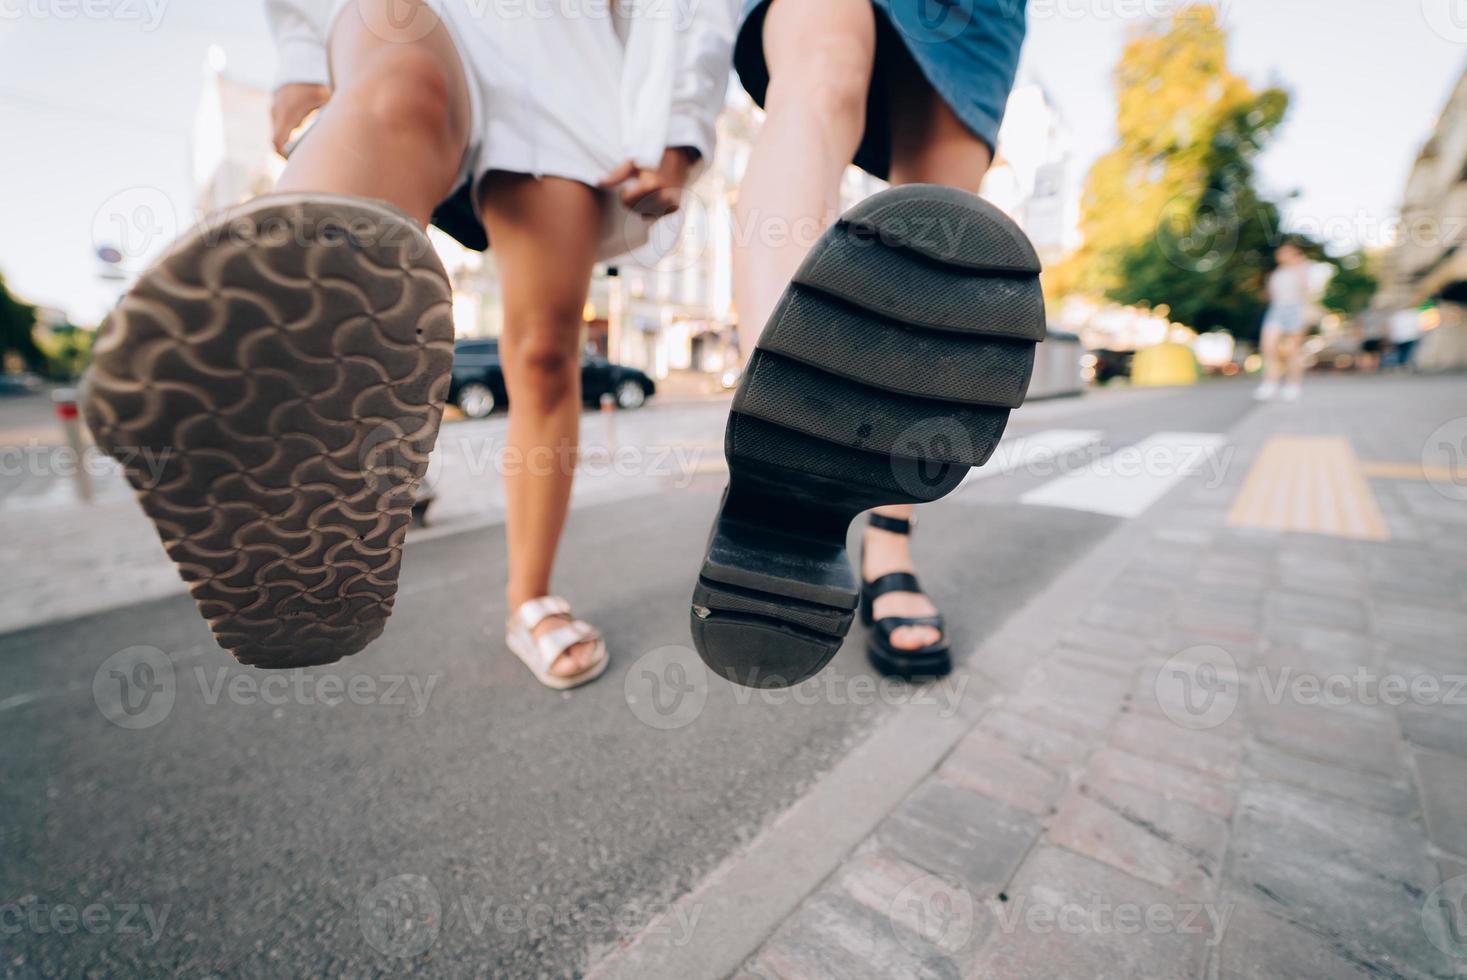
1023, 452
1128, 481
1011, 455
1312, 484
1408, 471
16, 700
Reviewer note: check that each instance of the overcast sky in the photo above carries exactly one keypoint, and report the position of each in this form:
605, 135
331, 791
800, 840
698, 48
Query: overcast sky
91, 108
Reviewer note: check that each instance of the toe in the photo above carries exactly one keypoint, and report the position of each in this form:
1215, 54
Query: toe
914, 637
576, 660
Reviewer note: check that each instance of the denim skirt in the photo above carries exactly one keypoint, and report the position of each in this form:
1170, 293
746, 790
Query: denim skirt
967, 49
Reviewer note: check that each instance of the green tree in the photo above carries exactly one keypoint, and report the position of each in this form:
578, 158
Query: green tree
17, 323
1171, 216
1354, 284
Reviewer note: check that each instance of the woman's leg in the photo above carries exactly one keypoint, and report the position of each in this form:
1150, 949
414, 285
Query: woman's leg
1268, 346
397, 124
929, 145
395, 131
544, 233
1293, 349
819, 54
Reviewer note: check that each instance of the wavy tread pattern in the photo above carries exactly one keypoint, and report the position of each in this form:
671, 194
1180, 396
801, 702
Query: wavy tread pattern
287, 363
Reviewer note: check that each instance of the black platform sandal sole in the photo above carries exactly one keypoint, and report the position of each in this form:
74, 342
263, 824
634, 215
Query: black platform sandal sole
887, 369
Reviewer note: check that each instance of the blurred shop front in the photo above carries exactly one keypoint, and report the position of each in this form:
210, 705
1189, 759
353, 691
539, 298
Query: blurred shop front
659, 335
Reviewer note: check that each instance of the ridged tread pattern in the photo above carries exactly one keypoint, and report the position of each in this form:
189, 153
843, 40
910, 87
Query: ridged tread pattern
768, 444
848, 413
905, 352
288, 361
888, 368
946, 224
900, 284
815, 328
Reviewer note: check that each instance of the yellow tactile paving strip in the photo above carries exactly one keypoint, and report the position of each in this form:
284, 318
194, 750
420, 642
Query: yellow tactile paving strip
1313, 484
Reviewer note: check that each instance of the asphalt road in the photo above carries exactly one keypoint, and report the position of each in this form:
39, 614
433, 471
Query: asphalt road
444, 814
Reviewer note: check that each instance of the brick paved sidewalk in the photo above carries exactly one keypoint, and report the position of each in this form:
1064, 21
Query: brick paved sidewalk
1232, 752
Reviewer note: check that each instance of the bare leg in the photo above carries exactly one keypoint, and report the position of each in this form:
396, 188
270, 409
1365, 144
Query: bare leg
544, 233
1269, 345
930, 145
1293, 351
819, 54
397, 124
394, 131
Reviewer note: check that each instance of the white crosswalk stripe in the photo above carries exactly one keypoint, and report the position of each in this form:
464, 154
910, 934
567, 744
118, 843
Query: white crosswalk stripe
1128, 481
1033, 451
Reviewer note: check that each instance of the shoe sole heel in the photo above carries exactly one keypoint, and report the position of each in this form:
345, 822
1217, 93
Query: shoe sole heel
287, 362
887, 370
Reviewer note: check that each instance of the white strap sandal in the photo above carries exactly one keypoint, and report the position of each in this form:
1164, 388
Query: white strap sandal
540, 653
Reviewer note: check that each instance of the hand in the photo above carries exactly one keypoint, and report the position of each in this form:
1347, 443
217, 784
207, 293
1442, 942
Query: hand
653, 193
292, 104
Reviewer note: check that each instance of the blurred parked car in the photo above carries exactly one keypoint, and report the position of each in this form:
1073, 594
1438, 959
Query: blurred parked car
478, 380
1101, 366
1339, 351
20, 384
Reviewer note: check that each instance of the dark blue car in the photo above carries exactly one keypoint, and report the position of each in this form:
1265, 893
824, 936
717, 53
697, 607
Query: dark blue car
478, 380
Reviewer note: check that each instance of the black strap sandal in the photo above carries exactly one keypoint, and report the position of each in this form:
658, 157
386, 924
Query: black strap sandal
933, 660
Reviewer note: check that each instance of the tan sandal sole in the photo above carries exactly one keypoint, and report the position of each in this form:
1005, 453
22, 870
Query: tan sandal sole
287, 362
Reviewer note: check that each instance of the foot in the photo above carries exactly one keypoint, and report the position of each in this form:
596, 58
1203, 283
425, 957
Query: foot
560, 650
1266, 391
888, 368
1289, 393
576, 660
286, 363
884, 553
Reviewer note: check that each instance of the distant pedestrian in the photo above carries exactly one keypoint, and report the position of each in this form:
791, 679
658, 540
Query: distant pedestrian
1405, 329
1291, 312
1372, 341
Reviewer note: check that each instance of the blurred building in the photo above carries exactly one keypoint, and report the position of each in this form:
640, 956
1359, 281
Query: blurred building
233, 155
1033, 177
234, 159
674, 298
677, 310
1428, 266
669, 306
